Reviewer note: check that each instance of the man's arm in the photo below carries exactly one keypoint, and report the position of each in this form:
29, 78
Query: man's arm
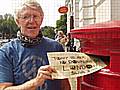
29, 85
44, 73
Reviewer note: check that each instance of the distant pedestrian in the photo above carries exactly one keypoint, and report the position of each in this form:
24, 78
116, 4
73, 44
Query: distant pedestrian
61, 38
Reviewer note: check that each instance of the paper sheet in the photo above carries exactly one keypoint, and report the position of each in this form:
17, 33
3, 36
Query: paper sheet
73, 64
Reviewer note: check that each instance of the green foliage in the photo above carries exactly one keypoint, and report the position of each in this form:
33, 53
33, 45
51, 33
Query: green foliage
8, 27
48, 31
61, 23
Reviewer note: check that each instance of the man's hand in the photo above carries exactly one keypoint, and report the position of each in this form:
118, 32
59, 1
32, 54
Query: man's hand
43, 74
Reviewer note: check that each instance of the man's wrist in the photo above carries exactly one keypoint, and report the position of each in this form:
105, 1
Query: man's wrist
32, 83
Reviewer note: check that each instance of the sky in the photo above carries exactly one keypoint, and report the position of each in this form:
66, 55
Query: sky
50, 8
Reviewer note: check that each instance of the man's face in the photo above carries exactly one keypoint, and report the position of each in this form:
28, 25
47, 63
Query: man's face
29, 22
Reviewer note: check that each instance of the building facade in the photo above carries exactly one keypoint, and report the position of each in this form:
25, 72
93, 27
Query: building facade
85, 12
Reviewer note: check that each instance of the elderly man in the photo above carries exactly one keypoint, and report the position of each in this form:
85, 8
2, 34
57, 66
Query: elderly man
24, 63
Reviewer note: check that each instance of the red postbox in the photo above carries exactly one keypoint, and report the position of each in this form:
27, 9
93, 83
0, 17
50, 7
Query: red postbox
101, 40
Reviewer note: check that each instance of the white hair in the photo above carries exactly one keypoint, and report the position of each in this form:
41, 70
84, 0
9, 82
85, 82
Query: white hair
31, 4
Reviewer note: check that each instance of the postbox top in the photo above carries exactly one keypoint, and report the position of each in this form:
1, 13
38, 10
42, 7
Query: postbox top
99, 27
100, 38
108, 24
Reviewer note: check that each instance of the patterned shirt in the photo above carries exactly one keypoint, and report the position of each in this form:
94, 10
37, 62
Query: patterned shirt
19, 64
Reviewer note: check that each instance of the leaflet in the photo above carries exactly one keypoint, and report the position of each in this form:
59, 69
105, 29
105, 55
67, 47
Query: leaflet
73, 64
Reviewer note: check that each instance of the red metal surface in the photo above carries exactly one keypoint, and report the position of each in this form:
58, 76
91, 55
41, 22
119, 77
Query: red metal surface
99, 39
102, 80
115, 61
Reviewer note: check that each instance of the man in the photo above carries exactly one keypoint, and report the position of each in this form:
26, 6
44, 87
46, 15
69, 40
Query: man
24, 63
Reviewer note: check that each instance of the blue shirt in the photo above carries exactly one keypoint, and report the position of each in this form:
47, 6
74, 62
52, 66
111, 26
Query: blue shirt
19, 64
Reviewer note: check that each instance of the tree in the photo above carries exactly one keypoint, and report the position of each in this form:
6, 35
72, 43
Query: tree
8, 27
61, 23
48, 31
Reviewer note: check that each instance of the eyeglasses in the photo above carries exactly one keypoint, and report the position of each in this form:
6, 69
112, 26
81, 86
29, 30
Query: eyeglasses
28, 17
